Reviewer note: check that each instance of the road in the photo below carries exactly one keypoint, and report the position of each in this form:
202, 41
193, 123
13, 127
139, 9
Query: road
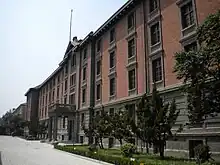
16, 151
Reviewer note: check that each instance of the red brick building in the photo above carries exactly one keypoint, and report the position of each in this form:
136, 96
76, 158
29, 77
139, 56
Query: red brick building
119, 62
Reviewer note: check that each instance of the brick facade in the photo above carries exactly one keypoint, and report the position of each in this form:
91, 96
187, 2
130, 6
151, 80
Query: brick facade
142, 37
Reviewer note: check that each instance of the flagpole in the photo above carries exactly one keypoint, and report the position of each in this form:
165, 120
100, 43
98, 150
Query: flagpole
70, 24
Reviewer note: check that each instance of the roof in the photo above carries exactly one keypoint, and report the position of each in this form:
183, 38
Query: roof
31, 89
116, 16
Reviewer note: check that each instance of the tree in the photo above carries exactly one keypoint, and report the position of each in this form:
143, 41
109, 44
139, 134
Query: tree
120, 126
200, 71
100, 127
157, 120
144, 119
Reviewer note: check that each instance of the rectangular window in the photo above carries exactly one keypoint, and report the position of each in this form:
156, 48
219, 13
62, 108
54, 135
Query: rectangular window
153, 5
73, 60
191, 47
131, 79
81, 139
58, 79
112, 35
187, 14
64, 122
73, 80
98, 45
131, 21
157, 70
65, 100
58, 92
65, 88
85, 54
82, 118
53, 95
54, 82
83, 95
98, 92
66, 69
49, 97
112, 86
84, 73
131, 48
112, 60
111, 111
155, 34
98, 67
72, 99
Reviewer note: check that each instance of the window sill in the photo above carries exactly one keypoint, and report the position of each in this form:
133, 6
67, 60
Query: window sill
155, 47
98, 77
153, 16
112, 70
131, 64
132, 91
112, 47
131, 34
188, 30
112, 97
98, 101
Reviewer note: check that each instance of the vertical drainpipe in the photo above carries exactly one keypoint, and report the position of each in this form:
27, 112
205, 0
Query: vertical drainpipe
79, 97
161, 34
92, 82
145, 51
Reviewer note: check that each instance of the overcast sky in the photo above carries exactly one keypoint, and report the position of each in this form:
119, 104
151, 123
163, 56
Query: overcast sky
34, 35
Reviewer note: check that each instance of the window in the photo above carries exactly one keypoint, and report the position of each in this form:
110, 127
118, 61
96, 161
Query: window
131, 21
82, 118
153, 5
81, 139
155, 34
98, 92
66, 69
53, 95
84, 73
54, 82
64, 122
73, 60
98, 45
131, 79
65, 100
111, 111
72, 99
112, 35
131, 110
187, 14
58, 79
58, 92
191, 47
112, 86
65, 85
98, 67
83, 95
49, 97
73, 80
112, 60
85, 54
131, 48
157, 70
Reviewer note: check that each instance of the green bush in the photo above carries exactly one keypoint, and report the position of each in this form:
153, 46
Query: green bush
202, 153
128, 149
93, 148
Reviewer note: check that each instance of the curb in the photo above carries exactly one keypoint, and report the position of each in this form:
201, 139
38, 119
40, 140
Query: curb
85, 158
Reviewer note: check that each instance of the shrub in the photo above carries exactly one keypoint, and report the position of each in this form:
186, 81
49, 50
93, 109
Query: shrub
202, 153
128, 149
92, 148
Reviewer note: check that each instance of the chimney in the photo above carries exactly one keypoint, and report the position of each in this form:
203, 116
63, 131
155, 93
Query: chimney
75, 38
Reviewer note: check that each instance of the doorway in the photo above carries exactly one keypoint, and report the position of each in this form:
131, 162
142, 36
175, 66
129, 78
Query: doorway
192, 145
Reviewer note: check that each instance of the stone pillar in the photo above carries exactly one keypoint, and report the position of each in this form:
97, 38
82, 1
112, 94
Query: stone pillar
50, 129
55, 128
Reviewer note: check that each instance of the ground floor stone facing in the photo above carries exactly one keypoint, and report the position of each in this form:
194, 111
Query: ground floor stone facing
69, 127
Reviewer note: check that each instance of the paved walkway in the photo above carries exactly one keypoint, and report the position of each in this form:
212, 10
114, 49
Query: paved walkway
16, 151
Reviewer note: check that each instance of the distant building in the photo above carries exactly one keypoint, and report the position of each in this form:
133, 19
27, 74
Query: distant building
20, 110
118, 63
